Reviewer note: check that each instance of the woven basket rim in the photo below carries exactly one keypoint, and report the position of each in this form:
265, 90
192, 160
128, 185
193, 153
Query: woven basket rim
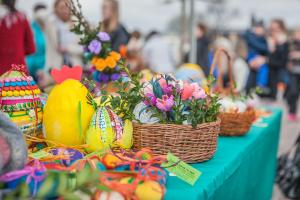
249, 111
218, 121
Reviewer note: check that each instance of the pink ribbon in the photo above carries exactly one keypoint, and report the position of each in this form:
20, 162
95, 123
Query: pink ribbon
30, 171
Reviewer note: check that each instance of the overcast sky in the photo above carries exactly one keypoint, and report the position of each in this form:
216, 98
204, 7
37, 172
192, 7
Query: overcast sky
153, 14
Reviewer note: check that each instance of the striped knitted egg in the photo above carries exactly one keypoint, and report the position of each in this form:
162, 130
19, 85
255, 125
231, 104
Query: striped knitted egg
20, 100
107, 130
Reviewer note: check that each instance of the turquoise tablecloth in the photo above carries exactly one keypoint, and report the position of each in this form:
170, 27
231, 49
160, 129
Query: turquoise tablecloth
243, 168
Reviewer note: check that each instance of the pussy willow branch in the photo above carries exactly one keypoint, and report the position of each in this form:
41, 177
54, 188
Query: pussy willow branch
76, 10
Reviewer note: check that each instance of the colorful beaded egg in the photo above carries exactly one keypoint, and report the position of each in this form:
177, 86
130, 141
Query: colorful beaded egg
107, 130
20, 100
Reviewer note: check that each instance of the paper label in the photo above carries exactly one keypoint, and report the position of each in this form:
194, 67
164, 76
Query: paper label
182, 170
39, 154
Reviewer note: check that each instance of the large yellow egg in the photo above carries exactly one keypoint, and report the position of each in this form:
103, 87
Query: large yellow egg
67, 113
149, 190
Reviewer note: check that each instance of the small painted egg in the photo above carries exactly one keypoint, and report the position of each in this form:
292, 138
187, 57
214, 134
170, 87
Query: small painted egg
73, 155
149, 190
110, 161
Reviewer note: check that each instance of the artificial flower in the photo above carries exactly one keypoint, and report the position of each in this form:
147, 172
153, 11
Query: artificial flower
168, 90
166, 103
114, 55
162, 82
100, 64
104, 78
103, 36
115, 76
198, 92
192, 90
150, 99
110, 62
95, 47
187, 91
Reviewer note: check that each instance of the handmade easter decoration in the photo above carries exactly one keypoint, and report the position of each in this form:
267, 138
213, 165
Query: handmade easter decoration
67, 112
130, 175
236, 116
107, 130
20, 100
184, 113
13, 149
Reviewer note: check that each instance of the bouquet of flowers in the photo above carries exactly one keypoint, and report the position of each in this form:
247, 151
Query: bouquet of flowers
105, 63
177, 102
170, 115
166, 100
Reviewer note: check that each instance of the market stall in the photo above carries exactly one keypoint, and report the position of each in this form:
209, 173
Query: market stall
242, 168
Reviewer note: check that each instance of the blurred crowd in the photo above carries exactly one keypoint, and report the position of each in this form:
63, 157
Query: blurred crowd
263, 56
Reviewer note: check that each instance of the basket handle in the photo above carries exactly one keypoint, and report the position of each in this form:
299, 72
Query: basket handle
217, 62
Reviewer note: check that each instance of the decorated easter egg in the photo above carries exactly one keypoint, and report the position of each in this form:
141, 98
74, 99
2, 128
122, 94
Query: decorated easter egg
20, 100
149, 190
72, 155
67, 112
111, 161
127, 180
102, 129
107, 130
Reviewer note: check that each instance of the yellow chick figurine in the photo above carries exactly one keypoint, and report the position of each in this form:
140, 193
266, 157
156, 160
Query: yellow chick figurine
67, 112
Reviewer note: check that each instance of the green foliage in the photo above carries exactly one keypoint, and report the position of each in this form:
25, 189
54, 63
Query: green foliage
128, 94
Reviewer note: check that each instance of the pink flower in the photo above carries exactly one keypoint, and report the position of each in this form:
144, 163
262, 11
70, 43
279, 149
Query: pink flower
166, 103
198, 92
168, 90
192, 90
187, 91
162, 82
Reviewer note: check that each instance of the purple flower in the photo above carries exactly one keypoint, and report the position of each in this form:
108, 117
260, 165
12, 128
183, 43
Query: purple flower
150, 99
95, 47
115, 77
103, 36
166, 103
104, 78
168, 90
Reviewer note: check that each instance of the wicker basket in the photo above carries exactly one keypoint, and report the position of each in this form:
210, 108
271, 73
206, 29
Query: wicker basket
232, 124
190, 145
236, 124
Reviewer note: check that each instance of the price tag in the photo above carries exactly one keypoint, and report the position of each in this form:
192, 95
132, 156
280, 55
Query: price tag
182, 170
39, 154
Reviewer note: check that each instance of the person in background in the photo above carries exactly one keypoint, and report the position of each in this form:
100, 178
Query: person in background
16, 39
239, 64
157, 54
257, 51
278, 55
134, 48
62, 44
293, 89
202, 47
37, 61
111, 24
